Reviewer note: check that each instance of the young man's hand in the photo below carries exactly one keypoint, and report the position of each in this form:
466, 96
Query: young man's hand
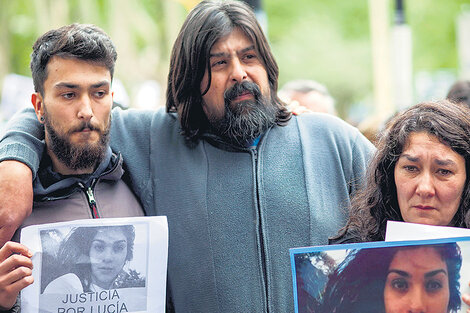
16, 270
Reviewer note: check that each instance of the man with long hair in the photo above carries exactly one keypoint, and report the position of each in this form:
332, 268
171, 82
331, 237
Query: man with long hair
240, 180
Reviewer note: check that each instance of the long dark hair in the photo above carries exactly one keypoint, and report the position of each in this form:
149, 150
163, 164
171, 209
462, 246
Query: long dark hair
208, 22
377, 203
358, 283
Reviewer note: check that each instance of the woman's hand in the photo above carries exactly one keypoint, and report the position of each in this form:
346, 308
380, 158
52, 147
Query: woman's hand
15, 272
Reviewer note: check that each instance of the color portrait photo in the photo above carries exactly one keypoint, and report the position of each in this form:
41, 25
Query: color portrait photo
391, 277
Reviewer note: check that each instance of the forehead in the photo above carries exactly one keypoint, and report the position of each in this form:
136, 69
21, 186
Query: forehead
75, 70
110, 235
425, 140
425, 258
234, 41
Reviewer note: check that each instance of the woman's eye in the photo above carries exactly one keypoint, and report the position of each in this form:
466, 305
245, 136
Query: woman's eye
119, 247
399, 284
444, 172
433, 285
98, 247
410, 168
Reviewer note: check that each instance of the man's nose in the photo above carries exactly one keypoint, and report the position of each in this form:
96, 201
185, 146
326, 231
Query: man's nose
238, 71
85, 110
425, 186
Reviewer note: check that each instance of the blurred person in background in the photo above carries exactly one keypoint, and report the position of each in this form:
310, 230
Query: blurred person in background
459, 92
309, 94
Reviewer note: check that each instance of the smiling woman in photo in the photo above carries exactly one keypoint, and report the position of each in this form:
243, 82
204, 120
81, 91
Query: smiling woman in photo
93, 259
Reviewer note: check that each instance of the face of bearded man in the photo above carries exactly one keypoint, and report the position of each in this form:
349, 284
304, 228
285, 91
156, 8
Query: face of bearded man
244, 121
235, 89
77, 156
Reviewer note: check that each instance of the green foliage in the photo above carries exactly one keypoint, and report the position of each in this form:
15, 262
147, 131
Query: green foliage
328, 41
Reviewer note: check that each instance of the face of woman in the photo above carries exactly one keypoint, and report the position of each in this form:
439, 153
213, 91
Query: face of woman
108, 254
430, 178
417, 281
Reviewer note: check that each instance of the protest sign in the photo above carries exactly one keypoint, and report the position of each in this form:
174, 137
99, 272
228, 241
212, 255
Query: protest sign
399, 276
108, 265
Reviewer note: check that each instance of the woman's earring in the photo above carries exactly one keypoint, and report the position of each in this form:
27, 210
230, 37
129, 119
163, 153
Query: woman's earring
41, 118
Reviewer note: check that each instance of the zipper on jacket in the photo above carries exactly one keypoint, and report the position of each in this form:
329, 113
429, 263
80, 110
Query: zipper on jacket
260, 230
91, 200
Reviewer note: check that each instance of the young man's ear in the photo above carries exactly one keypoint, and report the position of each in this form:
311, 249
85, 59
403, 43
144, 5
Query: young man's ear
36, 100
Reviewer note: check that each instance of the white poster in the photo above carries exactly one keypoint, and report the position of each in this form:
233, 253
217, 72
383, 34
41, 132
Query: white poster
108, 265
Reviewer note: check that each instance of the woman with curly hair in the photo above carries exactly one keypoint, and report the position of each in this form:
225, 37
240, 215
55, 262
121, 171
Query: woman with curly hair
92, 259
418, 174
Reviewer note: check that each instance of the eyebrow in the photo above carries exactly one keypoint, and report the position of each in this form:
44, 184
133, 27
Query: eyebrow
434, 273
399, 272
427, 275
117, 241
75, 86
440, 162
221, 54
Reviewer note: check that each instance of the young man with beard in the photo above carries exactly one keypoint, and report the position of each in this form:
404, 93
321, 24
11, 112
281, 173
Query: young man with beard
240, 180
79, 176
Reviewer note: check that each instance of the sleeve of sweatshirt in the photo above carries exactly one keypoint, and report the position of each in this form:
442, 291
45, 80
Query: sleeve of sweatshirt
131, 132
22, 139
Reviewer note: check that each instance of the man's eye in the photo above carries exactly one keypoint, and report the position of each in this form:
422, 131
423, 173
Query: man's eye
68, 95
219, 63
100, 94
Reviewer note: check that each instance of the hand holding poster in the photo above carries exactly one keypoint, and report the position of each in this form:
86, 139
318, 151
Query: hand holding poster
97, 266
406, 276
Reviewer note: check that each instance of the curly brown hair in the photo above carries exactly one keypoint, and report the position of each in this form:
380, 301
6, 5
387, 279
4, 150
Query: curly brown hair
377, 203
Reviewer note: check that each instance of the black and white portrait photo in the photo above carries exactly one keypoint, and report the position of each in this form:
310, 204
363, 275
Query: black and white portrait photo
95, 267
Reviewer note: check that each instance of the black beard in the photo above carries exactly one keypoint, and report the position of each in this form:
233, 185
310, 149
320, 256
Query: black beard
77, 157
244, 121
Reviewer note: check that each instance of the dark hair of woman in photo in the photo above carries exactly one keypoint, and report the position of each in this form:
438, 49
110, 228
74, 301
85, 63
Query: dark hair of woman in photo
375, 280
427, 145
96, 256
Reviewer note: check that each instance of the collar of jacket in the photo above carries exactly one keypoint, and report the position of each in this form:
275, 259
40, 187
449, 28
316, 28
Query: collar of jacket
218, 142
50, 185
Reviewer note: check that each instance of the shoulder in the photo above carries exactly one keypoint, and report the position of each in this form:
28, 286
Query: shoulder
319, 129
344, 239
326, 123
68, 283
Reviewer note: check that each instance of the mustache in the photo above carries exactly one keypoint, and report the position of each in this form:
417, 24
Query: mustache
241, 88
82, 126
